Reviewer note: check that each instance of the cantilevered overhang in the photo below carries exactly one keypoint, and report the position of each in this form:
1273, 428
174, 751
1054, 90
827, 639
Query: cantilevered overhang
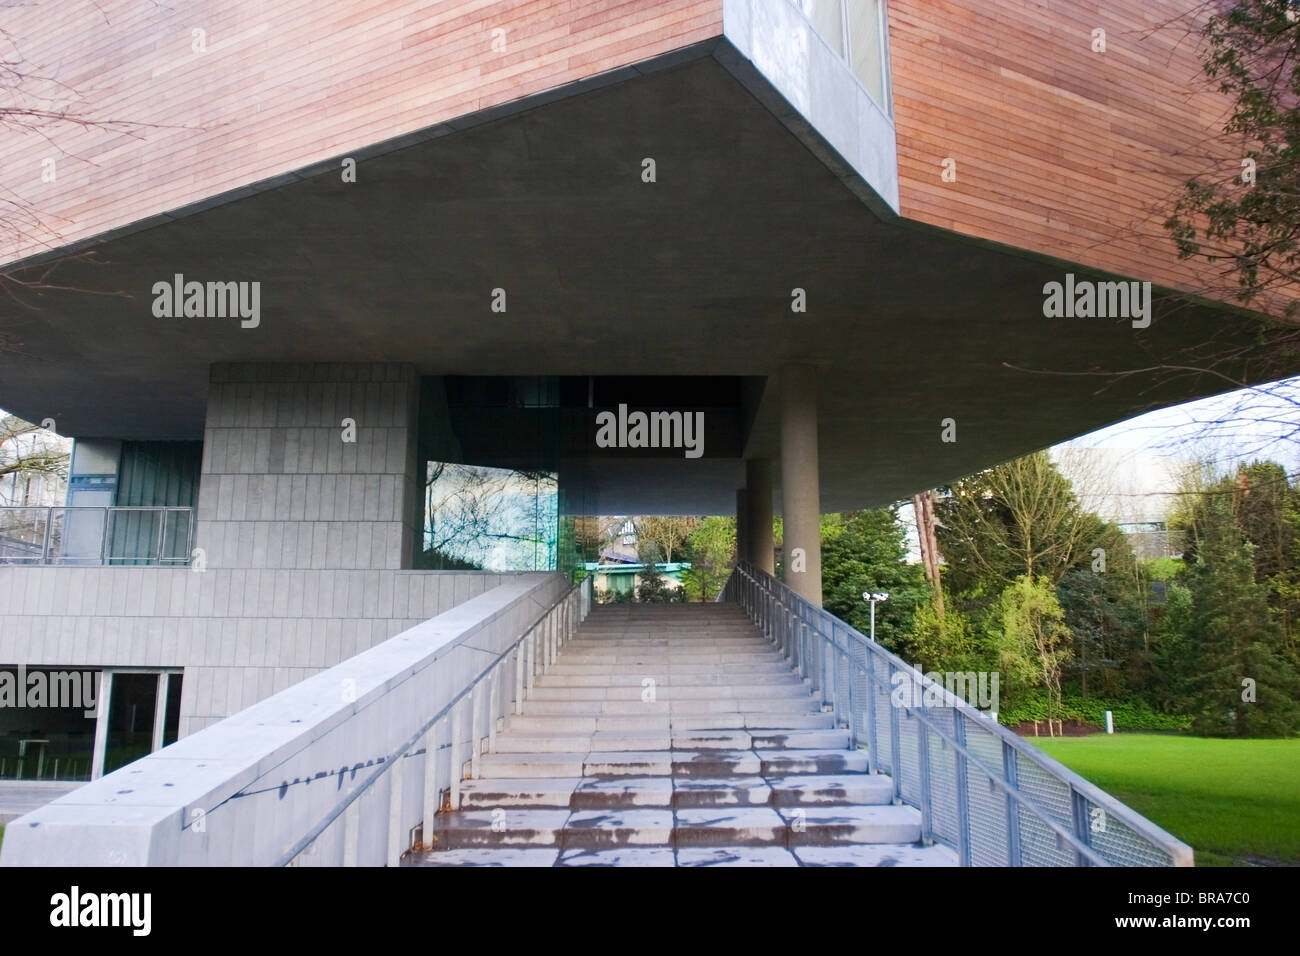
607, 274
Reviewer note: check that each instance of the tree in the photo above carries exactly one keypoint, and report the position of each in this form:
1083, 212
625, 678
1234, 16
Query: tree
669, 532
928, 541
711, 551
867, 551
1020, 519
1034, 641
1243, 219
1239, 682
27, 450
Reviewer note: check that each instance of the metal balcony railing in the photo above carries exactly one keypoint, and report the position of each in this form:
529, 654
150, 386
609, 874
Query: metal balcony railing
158, 536
981, 790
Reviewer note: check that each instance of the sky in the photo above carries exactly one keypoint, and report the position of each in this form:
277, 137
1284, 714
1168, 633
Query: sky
1261, 422
1144, 454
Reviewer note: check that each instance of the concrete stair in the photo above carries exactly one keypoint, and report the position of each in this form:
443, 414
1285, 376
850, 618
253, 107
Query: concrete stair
675, 735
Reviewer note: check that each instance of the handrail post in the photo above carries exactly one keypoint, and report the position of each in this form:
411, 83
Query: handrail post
396, 788
493, 707
1079, 820
853, 718
923, 763
475, 729
1011, 773
45, 543
431, 791
530, 665
519, 677
162, 533
352, 831
963, 789
895, 765
456, 769
873, 762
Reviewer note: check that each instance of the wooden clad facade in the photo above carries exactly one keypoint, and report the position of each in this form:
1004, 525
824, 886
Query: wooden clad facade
279, 86
1059, 149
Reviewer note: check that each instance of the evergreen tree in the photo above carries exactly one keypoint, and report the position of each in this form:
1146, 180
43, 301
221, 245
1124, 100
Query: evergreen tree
1236, 646
867, 551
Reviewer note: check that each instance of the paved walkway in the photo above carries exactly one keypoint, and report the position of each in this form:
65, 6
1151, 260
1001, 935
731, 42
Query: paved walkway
17, 797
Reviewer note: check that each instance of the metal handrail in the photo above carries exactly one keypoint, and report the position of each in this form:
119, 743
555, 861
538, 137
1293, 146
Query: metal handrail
581, 592
781, 611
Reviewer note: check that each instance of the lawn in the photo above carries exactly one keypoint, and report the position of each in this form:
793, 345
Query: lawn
1236, 802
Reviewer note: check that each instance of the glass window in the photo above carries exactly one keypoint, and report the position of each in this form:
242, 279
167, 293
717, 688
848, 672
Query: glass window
131, 709
45, 733
867, 44
826, 20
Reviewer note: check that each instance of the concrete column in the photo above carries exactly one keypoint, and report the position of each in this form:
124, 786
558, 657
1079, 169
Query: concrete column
800, 486
742, 525
758, 483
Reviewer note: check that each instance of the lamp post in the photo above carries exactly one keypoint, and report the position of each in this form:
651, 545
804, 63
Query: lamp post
874, 598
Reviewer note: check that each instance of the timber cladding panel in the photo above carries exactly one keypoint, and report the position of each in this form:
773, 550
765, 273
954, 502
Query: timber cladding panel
281, 85
1059, 149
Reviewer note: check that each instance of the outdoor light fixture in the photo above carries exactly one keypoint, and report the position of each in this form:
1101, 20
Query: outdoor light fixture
874, 597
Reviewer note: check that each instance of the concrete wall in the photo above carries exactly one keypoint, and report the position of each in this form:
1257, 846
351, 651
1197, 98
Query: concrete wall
239, 635
819, 91
280, 487
259, 781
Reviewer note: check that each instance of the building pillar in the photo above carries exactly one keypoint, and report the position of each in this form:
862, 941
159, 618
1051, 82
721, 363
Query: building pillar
800, 485
742, 524
758, 484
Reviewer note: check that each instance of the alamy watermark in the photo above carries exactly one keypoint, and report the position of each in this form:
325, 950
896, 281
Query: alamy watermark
211, 300
626, 429
1085, 299
50, 689
934, 689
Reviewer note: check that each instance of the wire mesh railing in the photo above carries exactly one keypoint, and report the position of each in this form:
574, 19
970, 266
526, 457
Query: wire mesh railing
981, 790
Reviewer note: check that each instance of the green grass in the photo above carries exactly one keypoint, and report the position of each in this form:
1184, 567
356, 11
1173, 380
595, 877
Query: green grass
1235, 802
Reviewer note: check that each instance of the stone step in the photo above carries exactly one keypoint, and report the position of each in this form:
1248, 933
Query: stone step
821, 789
664, 679
688, 827
780, 763
563, 667
862, 854
664, 791
720, 705
577, 724
672, 692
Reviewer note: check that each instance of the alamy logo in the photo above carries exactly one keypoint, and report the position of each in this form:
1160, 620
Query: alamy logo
103, 909
928, 690
211, 300
1085, 299
651, 430
58, 689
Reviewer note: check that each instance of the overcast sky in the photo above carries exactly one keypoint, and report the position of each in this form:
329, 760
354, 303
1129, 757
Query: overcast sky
1262, 422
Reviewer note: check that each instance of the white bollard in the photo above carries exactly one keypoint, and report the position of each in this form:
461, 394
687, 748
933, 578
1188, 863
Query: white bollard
1110, 722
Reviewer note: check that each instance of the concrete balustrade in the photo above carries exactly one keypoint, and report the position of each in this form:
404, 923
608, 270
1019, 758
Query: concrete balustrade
259, 787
